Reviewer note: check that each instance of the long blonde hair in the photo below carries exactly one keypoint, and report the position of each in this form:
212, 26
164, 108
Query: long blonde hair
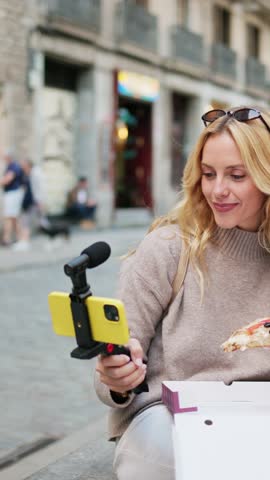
192, 213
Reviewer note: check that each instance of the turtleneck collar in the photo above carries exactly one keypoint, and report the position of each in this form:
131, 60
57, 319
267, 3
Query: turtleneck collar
239, 244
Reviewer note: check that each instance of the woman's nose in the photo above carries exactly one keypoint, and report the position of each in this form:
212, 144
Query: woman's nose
220, 188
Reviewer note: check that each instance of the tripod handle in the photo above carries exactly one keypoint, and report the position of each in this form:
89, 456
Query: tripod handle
112, 349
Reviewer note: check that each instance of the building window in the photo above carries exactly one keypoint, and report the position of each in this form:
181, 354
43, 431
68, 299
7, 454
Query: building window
253, 41
142, 3
60, 75
183, 12
222, 25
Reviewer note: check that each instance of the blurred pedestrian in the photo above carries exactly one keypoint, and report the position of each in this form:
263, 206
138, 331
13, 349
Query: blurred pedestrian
32, 203
80, 206
12, 184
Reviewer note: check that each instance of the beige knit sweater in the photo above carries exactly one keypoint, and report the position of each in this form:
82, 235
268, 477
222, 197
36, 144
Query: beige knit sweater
185, 345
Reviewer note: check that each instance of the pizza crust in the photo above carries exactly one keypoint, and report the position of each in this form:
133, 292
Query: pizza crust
253, 335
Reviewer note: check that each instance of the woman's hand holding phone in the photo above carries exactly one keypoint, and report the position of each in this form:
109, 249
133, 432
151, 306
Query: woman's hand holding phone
121, 373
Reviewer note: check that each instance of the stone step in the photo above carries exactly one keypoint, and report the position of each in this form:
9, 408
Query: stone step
84, 455
132, 217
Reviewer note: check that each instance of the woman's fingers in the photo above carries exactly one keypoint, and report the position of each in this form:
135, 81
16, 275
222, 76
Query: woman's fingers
130, 386
136, 351
112, 361
123, 384
119, 372
115, 368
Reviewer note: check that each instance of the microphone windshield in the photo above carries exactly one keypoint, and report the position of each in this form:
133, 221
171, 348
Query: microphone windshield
97, 253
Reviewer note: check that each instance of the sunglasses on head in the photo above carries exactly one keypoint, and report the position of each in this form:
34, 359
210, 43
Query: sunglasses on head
241, 115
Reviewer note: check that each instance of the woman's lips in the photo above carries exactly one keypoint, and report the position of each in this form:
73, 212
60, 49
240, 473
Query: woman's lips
224, 207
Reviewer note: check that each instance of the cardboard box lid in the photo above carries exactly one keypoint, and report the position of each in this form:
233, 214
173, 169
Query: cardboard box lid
188, 396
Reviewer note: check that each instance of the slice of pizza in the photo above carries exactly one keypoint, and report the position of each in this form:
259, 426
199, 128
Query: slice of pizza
255, 334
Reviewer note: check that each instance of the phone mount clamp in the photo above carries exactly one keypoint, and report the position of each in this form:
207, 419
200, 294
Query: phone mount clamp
88, 347
76, 270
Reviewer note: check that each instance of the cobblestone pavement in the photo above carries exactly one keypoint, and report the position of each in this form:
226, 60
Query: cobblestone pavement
44, 392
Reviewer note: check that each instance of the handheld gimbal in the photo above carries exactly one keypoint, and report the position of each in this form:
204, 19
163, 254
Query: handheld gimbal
99, 324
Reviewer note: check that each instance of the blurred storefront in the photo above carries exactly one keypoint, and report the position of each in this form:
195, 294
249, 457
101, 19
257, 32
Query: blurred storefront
133, 143
114, 90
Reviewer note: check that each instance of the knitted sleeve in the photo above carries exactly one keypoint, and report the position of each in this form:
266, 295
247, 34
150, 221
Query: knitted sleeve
146, 280
145, 287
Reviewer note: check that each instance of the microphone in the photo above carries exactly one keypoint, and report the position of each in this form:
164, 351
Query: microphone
90, 257
97, 253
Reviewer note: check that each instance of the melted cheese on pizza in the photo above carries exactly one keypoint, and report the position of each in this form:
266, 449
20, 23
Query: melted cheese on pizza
253, 335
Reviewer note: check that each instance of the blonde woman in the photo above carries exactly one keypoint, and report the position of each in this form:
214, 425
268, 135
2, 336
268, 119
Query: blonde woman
224, 217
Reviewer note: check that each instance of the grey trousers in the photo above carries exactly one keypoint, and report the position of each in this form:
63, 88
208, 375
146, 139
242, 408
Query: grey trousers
145, 450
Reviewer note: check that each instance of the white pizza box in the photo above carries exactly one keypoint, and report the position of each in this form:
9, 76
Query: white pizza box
187, 396
220, 431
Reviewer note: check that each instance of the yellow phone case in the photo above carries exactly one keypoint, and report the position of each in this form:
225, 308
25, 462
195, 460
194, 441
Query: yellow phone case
103, 329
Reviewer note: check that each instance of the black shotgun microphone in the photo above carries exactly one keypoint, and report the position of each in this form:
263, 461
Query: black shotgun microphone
97, 253
90, 257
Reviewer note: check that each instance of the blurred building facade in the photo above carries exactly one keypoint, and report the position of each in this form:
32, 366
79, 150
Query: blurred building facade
114, 89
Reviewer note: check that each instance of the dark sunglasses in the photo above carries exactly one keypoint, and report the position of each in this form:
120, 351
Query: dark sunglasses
241, 115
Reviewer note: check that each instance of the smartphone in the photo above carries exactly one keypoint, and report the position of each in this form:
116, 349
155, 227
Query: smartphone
107, 318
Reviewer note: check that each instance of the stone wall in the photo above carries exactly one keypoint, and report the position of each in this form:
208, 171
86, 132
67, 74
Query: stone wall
15, 27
